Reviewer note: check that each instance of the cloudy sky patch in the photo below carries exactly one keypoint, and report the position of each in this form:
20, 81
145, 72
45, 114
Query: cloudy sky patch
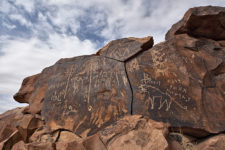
34, 34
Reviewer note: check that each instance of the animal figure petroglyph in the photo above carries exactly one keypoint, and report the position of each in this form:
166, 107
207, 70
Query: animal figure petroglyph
151, 88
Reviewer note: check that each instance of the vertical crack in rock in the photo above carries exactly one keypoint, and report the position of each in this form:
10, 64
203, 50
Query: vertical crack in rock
103, 143
124, 63
132, 93
58, 136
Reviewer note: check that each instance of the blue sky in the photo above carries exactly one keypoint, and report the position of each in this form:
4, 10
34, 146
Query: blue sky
34, 34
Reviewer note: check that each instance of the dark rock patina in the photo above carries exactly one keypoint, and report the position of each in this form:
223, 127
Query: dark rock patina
87, 92
180, 81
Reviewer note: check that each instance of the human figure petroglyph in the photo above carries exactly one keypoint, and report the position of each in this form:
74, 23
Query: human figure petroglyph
69, 73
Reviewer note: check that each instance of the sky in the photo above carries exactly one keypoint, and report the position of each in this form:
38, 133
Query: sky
34, 34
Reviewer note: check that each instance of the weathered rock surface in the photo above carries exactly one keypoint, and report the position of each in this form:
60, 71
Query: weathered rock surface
125, 48
17, 126
85, 102
94, 85
179, 81
206, 22
8, 122
27, 89
130, 132
214, 143
135, 133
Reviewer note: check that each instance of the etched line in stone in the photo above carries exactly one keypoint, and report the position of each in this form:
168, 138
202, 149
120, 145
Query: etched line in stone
152, 101
117, 79
146, 84
89, 90
162, 102
68, 79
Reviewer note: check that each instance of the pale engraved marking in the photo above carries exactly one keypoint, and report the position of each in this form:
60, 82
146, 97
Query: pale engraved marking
166, 102
55, 86
70, 72
75, 87
117, 79
89, 108
159, 61
89, 89
69, 109
147, 80
134, 66
57, 96
142, 88
152, 101
119, 53
181, 106
125, 80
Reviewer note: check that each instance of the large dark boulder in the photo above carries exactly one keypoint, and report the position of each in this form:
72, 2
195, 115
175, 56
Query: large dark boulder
180, 82
207, 22
87, 92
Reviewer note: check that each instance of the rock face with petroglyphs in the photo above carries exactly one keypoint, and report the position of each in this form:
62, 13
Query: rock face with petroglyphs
130, 94
88, 92
174, 83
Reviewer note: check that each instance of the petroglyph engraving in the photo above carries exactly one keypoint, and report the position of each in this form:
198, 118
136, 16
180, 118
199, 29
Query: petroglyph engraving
69, 72
160, 61
151, 88
74, 81
166, 102
58, 96
89, 89
118, 53
56, 85
134, 66
69, 109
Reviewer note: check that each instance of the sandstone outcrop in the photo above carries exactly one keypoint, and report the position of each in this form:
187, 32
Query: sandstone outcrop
173, 83
130, 94
214, 143
201, 22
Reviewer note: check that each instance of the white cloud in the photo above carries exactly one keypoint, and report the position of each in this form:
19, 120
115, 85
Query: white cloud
23, 57
9, 26
26, 57
122, 19
66, 17
22, 20
27, 4
5, 6
143, 18
6, 103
